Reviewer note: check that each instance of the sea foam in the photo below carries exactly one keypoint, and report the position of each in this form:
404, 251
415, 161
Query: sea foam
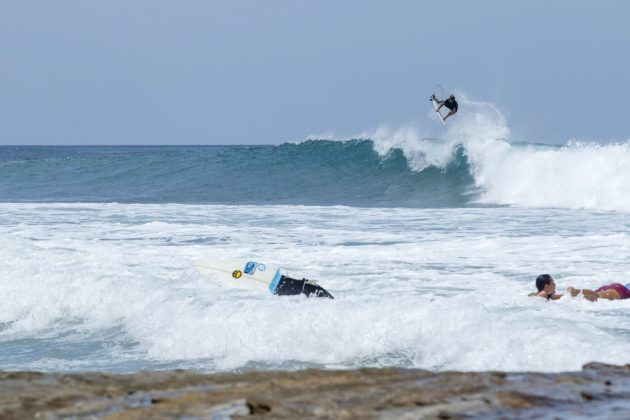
112, 286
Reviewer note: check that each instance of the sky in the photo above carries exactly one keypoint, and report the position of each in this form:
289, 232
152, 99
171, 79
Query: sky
119, 72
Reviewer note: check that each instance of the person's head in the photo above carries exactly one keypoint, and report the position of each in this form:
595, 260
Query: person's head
452, 97
545, 282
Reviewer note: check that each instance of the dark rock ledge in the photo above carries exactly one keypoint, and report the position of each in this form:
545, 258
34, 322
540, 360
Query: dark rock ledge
598, 391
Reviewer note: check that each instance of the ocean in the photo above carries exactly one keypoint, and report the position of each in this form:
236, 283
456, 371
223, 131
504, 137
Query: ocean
430, 246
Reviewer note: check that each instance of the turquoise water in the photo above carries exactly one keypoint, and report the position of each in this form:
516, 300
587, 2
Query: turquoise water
312, 173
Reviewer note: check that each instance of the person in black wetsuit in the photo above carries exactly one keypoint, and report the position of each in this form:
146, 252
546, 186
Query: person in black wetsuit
450, 103
291, 286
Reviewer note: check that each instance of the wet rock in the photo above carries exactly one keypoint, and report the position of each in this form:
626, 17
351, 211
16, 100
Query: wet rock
598, 390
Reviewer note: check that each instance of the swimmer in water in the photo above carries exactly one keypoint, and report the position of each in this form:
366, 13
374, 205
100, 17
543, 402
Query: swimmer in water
547, 289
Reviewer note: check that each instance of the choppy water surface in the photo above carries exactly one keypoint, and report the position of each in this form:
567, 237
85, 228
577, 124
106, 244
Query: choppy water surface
112, 286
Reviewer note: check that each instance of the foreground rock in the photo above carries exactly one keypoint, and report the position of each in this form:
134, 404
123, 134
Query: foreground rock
601, 391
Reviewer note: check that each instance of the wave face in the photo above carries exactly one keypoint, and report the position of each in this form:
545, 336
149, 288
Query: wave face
310, 173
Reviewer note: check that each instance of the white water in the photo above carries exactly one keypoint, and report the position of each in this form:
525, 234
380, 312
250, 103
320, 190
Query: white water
111, 286
577, 175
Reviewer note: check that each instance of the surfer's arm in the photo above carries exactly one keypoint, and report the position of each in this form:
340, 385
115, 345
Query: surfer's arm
544, 295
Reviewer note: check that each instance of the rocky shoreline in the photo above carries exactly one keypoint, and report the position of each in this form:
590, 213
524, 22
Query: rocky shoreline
600, 391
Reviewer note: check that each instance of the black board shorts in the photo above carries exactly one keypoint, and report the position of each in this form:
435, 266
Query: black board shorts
451, 105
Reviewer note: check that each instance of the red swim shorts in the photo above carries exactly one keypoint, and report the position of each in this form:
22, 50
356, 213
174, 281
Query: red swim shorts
624, 293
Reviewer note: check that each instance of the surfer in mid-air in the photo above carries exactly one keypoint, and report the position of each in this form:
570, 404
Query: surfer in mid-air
449, 102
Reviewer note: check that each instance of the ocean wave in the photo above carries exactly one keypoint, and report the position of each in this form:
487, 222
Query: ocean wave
314, 172
473, 164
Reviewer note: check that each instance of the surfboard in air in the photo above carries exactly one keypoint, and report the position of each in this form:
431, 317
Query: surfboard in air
436, 106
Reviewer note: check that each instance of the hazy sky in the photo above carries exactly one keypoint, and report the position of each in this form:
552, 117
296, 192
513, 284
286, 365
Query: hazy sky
243, 72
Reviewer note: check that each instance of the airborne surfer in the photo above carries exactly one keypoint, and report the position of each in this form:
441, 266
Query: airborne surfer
449, 102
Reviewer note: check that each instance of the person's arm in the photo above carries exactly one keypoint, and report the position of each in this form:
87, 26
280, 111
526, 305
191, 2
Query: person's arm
545, 295
587, 293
